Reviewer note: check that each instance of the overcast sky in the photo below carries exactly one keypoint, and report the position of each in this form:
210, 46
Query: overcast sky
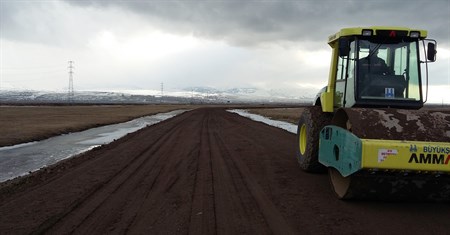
137, 45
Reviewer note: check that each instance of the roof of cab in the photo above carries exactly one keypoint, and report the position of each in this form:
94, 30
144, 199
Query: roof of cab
358, 31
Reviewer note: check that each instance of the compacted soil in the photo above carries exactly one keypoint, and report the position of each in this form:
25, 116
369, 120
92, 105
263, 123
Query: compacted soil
206, 171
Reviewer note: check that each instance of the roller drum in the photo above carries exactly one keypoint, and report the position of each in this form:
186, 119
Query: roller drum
394, 124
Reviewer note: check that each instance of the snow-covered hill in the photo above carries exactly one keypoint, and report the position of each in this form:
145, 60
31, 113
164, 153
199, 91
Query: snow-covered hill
187, 95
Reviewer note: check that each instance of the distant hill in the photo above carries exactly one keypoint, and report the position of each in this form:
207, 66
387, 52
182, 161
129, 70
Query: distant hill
187, 95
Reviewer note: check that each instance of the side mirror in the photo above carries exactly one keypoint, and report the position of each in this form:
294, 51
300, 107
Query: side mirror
431, 51
344, 46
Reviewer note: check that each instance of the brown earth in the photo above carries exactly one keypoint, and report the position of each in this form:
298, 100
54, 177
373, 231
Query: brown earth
206, 171
291, 115
19, 124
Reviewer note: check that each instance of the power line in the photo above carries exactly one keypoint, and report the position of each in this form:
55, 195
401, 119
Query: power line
27, 72
36, 67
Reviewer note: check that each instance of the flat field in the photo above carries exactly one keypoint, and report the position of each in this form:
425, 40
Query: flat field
206, 171
291, 115
19, 124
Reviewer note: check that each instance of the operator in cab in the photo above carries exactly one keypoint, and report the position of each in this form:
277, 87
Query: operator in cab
375, 76
372, 64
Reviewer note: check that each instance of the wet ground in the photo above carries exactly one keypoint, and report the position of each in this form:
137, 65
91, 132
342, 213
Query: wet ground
258, 118
206, 171
21, 159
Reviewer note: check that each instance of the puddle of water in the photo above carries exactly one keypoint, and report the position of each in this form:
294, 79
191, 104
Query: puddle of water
21, 159
280, 124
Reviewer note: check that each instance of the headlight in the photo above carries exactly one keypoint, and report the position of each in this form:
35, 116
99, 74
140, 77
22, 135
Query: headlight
367, 32
414, 34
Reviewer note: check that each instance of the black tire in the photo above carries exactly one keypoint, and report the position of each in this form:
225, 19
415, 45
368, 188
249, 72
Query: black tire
312, 120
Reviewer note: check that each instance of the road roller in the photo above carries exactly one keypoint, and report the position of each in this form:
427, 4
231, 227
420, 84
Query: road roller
369, 128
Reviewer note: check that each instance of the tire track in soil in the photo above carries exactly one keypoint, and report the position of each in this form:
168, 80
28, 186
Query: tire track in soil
206, 171
124, 190
227, 190
202, 214
245, 199
95, 183
272, 215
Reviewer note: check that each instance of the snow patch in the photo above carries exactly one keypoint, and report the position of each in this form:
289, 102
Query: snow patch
280, 124
19, 160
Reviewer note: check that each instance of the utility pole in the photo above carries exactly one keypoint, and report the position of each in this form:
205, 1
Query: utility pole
71, 92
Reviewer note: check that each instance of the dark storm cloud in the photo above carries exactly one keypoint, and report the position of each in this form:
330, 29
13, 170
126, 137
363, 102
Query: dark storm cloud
248, 23
35, 21
9, 20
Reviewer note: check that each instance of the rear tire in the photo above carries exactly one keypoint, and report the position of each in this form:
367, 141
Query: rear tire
310, 124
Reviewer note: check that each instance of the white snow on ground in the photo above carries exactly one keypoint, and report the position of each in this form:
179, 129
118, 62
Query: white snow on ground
21, 159
280, 124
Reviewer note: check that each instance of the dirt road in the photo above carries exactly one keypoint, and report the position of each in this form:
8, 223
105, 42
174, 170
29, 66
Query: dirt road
204, 172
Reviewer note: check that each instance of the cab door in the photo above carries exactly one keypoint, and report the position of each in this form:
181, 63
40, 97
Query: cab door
345, 78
